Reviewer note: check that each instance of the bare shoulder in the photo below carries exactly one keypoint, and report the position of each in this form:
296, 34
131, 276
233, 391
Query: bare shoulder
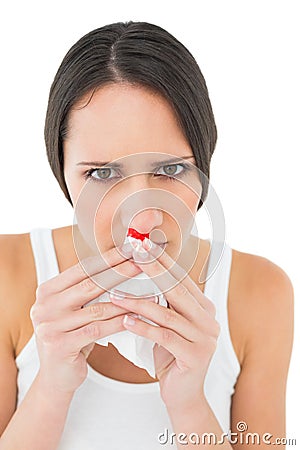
258, 273
261, 322
260, 302
17, 283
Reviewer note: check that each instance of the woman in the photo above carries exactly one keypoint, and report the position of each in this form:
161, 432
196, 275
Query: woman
131, 92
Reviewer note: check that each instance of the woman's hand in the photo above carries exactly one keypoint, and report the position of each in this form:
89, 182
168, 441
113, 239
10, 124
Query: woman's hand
187, 336
65, 330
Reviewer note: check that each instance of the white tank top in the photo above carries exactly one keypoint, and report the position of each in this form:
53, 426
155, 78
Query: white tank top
113, 415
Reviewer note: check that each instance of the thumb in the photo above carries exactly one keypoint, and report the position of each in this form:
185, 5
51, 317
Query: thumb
87, 349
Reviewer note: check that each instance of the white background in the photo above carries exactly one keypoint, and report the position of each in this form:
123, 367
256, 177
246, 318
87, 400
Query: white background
248, 52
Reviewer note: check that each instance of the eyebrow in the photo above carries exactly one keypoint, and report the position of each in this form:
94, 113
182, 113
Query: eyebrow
118, 165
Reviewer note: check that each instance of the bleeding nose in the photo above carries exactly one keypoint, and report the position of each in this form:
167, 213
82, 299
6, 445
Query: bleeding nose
145, 221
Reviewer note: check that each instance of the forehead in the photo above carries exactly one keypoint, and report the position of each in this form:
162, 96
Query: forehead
120, 119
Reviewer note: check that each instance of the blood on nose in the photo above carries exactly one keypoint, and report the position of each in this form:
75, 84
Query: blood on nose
135, 234
146, 221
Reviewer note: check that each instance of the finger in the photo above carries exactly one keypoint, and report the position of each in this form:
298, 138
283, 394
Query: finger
89, 289
163, 359
87, 349
181, 275
158, 314
69, 321
74, 341
167, 274
174, 291
82, 270
182, 349
169, 318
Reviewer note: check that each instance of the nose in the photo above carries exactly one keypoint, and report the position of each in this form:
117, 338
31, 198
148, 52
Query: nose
145, 221
140, 209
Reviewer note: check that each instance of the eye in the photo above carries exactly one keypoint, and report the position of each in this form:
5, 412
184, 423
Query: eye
102, 173
170, 170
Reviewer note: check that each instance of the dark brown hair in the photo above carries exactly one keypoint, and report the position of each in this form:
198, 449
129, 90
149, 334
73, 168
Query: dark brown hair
142, 54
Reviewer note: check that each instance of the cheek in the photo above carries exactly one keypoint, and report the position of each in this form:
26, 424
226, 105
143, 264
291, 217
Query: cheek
74, 188
93, 213
191, 202
191, 194
187, 219
108, 226
103, 226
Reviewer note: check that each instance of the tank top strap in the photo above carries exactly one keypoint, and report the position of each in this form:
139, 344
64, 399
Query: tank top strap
44, 254
217, 289
218, 273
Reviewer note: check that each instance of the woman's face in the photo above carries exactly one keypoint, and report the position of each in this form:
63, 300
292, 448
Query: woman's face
136, 129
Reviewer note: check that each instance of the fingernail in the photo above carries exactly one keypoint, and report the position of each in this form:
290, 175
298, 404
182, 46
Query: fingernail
147, 244
116, 295
153, 299
128, 320
151, 246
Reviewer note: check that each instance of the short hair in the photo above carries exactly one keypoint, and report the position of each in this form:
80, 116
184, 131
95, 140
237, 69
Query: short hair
141, 54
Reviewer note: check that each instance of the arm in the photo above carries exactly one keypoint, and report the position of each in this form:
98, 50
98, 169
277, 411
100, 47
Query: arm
187, 339
39, 421
267, 318
65, 334
266, 322
198, 427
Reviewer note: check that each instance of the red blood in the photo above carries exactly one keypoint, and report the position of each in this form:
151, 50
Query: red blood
135, 234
